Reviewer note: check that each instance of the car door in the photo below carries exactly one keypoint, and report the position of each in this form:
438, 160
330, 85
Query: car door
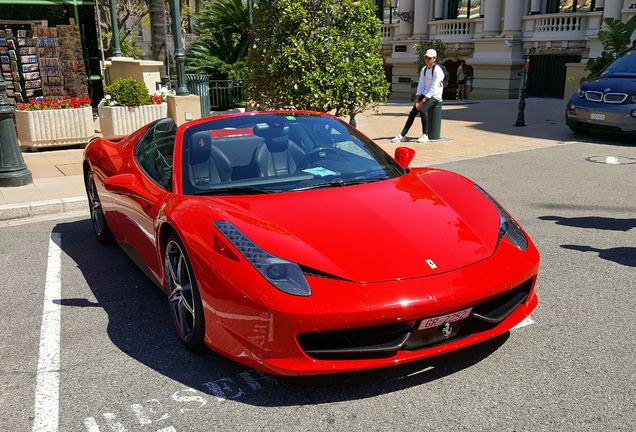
152, 166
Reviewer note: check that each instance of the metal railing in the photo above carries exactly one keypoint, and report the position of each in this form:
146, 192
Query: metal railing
216, 95
563, 27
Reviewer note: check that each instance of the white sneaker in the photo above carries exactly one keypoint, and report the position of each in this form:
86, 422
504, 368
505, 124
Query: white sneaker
423, 138
398, 138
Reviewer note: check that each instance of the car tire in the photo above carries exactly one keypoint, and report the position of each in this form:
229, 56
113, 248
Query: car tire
184, 300
98, 220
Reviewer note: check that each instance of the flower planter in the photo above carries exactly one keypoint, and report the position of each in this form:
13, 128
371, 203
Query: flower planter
53, 128
120, 121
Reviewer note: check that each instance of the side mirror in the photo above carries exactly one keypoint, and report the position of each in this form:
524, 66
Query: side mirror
128, 184
404, 156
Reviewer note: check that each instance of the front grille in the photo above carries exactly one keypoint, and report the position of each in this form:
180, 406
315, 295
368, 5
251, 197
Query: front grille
387, 340
365, 342
611, 98
614, 98
594, 96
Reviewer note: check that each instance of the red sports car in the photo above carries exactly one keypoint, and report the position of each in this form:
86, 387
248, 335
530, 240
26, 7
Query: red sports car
290, 242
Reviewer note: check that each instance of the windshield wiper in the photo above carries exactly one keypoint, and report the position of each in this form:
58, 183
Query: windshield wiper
338, 183
239, 190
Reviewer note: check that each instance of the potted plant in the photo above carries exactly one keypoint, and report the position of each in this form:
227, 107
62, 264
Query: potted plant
127, 106
59, 121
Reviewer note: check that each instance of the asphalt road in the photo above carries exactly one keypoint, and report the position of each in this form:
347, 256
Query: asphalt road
122, 368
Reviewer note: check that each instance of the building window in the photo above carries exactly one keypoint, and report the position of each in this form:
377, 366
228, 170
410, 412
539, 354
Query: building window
462, 9
566, 6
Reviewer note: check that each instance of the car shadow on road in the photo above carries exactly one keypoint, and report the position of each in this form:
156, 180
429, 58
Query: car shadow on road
139, 324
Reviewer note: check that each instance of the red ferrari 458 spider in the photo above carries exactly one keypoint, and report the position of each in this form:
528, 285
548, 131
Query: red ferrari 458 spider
290, 242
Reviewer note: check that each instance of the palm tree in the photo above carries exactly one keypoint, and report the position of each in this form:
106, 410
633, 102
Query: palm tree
615, 37
222, 28
158, 29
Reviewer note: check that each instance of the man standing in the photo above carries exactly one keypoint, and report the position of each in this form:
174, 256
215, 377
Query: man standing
429, 91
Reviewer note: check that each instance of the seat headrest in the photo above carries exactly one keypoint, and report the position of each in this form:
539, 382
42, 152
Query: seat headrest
276, 136
201, 149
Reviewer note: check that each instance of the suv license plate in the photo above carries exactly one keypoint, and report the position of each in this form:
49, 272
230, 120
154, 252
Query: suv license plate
443, 319
597, 116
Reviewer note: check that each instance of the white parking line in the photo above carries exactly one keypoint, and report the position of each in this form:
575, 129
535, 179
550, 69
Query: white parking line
526, 322
47, 391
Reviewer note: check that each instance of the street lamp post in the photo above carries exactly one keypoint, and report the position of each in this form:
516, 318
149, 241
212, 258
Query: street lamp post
179, 53
523, 91
115, 26
13, 171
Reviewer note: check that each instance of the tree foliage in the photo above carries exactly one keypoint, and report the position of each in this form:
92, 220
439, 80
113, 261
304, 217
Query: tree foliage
129, 14
615, 37
222, 31
317, 55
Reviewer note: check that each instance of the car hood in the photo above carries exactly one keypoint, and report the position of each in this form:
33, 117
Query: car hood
614, 84
379, 231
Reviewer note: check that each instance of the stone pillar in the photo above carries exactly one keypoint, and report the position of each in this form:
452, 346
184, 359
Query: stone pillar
612, 9
599, 5
512, 17
406, 28
439, 9
492, 17
422, 17
535, 7
184, 108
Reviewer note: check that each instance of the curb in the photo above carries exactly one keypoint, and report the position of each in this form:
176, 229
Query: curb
12, 212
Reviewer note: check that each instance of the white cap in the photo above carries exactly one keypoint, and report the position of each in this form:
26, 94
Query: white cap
431, 53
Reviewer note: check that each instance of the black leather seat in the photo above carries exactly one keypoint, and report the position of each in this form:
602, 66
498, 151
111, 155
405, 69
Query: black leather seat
208, 164
277, 155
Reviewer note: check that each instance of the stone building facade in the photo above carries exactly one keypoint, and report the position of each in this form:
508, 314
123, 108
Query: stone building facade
494, 37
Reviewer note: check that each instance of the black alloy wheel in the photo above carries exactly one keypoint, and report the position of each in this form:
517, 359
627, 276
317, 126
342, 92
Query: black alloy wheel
100, 228
184, 300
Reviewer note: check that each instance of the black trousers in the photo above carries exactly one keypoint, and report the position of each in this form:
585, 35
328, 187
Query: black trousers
423, 116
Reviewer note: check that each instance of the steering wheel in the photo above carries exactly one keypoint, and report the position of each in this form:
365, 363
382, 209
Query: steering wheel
315, 154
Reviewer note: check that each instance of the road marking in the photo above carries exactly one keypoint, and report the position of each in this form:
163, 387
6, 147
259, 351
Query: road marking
526, 322
47, 390
182, 402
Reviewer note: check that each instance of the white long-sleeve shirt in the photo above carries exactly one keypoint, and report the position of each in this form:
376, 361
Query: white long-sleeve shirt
431, 82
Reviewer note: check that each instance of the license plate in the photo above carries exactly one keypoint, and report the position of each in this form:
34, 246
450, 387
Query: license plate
597, 116
443, 319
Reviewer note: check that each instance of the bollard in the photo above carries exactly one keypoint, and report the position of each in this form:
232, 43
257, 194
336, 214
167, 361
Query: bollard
13, 170
200, 85
435, 121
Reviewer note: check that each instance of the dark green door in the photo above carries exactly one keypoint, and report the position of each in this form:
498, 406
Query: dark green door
546, 75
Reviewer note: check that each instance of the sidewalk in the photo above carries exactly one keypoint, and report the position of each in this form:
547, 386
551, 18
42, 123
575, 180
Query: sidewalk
473, 129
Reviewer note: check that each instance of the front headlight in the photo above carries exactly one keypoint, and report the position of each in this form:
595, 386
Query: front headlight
580, 93
284, 275
508, 228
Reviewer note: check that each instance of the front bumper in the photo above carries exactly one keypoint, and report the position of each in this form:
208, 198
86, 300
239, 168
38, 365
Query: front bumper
600, 116
261, 327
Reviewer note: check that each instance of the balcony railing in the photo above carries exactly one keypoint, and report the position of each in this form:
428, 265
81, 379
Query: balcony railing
455, 29
565, 26
388, 32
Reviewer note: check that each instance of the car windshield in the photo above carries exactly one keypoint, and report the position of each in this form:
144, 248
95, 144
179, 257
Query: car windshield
279, 152
624, 66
